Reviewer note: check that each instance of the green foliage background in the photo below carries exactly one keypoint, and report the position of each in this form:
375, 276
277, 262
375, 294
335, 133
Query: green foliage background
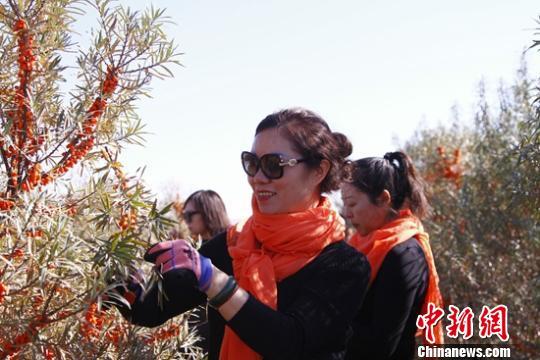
484, 228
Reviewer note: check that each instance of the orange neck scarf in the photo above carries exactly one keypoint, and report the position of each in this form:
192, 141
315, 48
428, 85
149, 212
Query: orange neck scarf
268, 248
378, 243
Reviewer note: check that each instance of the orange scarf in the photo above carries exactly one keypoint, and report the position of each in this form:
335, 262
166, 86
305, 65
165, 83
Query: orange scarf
268, 248
378, 243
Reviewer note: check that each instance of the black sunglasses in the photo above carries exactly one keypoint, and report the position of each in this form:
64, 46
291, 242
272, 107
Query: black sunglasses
188, 215
270, 164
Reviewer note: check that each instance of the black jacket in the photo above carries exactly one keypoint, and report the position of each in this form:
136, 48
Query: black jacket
316, 305
385, 327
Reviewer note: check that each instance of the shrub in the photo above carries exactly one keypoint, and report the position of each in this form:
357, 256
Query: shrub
71, 222
485, 192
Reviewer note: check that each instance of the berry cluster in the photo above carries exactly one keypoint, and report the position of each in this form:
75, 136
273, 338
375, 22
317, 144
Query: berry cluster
24, 174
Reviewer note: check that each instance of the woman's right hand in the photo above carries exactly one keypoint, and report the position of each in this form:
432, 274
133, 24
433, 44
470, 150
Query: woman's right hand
179, 255
174, 258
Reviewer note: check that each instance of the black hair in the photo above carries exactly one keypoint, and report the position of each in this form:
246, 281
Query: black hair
393, 172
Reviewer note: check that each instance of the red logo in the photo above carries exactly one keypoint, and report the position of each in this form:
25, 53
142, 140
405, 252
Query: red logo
461, 322
494, 322
428, 321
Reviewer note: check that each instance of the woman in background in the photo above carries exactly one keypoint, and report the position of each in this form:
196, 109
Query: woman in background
384, 200
205, 215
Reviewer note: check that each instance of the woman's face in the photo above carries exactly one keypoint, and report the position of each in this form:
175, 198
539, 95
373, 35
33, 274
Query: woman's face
195, 222
297, 190
360, 211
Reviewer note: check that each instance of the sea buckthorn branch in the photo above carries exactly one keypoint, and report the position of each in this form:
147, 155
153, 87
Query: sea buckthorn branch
448, 166
20, 340
24, 124
125, 36
58, 145
41, 306
6, 204
153, 52
173, 330
84, 139
452, 168
25, 174
128, 213
35, 325
61, 240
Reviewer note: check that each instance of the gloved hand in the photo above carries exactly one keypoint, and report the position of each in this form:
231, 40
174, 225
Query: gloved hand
177, 255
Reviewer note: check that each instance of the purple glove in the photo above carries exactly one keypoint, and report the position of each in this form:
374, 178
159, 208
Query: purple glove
179, 254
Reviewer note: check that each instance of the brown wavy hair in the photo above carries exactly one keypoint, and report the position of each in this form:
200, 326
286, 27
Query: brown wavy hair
312, 138
212, 209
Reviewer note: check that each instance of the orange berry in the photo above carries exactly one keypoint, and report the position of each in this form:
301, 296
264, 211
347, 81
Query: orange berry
48, 354
440, 150
17, 254
3, 291
6, 204
19, 25
24, 186
37, 301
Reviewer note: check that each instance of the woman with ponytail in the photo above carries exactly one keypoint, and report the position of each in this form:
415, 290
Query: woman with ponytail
282, 284
384, 200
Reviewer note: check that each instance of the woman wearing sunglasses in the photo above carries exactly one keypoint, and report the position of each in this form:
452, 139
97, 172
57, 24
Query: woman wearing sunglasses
283, 284
205, 215
384, 200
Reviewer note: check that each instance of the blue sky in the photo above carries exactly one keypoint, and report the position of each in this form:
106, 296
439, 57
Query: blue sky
375, 71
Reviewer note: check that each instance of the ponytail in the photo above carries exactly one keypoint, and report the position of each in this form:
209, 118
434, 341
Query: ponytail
395, 173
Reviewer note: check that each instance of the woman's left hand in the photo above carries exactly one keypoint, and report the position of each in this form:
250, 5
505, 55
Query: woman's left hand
180, 255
